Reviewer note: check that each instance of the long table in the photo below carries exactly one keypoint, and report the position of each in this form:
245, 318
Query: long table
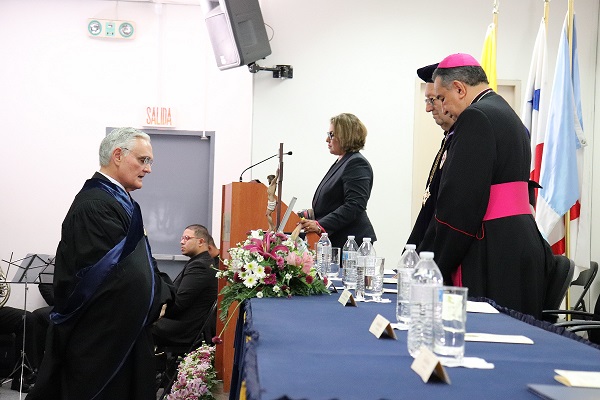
315, 348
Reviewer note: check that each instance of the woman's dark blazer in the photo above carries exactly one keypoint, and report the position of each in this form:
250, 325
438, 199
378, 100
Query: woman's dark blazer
340, 202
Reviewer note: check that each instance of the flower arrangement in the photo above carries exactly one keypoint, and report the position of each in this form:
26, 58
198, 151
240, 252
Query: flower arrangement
268, 264
196, 375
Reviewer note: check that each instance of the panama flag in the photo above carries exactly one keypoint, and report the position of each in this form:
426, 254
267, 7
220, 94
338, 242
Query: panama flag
488, 56
535, 105
562, 162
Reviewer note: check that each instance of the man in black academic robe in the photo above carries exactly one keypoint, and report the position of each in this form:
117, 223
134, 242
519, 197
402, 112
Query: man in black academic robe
107, 290
434, 106
488, 243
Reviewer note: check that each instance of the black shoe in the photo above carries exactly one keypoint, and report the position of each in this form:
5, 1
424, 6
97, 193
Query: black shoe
16, 385
30, 378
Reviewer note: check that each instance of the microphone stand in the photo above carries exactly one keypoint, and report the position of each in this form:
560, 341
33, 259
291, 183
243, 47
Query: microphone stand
260, 162
279, 184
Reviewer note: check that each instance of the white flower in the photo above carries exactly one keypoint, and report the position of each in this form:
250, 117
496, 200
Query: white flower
259, 295
276, 289
252, 266
250, 281
260, 271
256, 234
288, 276
260, 258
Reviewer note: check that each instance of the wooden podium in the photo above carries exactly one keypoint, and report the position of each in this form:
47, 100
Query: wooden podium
243, 209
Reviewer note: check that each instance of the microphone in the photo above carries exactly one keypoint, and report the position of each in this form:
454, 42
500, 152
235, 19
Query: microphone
289, 153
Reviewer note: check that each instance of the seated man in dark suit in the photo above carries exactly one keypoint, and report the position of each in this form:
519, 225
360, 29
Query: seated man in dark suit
196, 287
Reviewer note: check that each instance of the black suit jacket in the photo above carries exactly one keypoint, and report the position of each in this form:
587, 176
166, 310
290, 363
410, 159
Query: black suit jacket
340, 202
197, 290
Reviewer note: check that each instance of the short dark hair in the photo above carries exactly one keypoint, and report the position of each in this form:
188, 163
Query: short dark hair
200, 231
470, 75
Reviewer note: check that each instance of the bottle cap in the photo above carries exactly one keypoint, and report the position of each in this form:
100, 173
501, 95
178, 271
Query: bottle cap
366, 239
351, 236
410, 247
426, 255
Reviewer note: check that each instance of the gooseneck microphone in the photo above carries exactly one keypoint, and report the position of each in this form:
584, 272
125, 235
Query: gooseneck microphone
289, 153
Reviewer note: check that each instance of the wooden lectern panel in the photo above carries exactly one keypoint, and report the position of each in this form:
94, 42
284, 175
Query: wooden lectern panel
244, 205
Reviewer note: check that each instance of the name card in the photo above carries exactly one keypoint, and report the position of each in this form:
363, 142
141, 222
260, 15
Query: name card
427, 365
347, 298
161, 117
380, 325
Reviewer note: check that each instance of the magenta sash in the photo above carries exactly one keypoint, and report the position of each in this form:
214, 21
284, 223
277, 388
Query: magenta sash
508, 199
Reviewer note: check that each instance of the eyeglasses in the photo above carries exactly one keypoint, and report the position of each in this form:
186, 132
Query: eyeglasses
330, 135
430, 101
142, 160
185, 238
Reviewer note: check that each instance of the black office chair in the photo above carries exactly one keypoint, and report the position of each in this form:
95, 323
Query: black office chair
557, 286
584, 321
581, 320
168, 357
585, 280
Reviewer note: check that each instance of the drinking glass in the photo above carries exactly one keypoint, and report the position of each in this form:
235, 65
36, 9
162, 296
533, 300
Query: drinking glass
333, 269
374, 279
449, 329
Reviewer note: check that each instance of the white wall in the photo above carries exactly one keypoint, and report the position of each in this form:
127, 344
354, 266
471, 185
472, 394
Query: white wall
60, 89
361, 57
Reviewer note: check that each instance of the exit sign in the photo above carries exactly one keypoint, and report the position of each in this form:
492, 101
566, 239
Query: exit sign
160, 117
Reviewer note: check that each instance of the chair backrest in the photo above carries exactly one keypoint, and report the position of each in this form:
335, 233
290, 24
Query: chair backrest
585, 280
559, 282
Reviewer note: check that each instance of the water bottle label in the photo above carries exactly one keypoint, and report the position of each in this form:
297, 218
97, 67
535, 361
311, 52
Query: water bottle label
422, 293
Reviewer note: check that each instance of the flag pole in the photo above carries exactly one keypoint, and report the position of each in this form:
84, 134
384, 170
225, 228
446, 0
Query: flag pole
495, 15
546, 13
567, 217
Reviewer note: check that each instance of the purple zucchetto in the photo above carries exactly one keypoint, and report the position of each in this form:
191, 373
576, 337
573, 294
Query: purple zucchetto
459, 60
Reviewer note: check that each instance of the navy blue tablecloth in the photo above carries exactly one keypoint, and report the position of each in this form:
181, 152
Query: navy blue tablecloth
315, 348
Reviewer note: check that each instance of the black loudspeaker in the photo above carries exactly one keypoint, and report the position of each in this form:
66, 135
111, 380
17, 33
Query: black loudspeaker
237, 32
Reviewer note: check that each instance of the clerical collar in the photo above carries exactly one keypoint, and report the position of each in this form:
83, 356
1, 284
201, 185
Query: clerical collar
113, 181
481, 94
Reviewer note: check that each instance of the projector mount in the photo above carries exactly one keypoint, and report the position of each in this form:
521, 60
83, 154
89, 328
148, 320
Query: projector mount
279, 71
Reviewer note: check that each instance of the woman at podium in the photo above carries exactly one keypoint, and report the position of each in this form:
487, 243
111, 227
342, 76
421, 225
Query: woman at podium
339, 206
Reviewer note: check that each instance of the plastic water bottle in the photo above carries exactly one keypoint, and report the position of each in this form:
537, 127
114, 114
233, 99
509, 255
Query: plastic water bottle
349, 259
426, 279
406, 267
323, 254
366, 260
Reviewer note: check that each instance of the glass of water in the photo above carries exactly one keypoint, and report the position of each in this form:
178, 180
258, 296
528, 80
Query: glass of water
449, 329
374, 279
333, 269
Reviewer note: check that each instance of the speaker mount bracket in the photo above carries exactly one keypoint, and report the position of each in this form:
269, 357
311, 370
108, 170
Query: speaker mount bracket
279, 71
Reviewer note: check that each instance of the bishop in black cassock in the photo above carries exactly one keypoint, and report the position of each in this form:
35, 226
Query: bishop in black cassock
484, 236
